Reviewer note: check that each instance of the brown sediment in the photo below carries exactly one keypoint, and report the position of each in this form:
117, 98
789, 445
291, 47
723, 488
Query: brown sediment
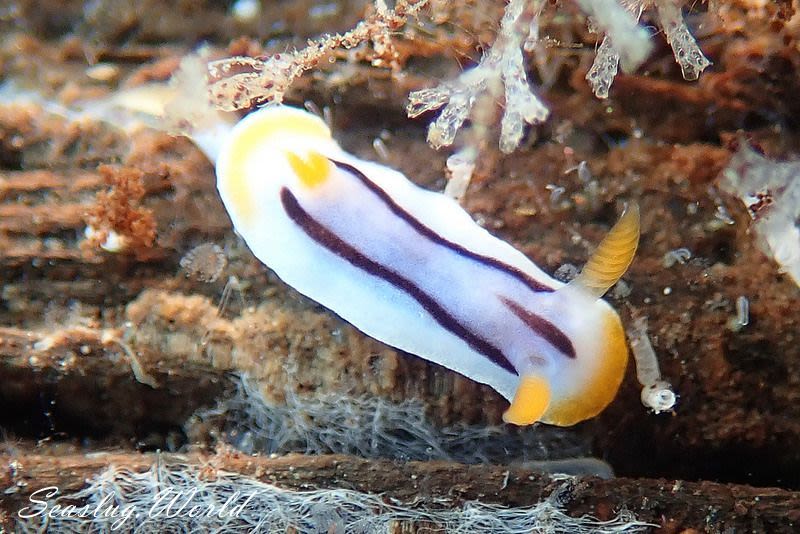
75, 319
666, 504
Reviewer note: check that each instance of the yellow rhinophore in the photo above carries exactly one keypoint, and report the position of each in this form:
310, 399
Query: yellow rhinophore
274, 127
312, 170
530, 401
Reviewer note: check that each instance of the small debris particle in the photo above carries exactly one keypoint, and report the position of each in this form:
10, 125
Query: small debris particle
380, 148
723, 215
621, 290
566, 273
44, 344
679, 256
460, 165
584, 172
246, 10
205, 262
556, 192
103, 72
742, 317
111, 240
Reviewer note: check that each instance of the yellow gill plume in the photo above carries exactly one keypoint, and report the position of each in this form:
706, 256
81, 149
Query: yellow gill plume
612, 257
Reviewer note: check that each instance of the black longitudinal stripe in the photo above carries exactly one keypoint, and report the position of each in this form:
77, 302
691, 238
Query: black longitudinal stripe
415, 223
542, 327
344, 250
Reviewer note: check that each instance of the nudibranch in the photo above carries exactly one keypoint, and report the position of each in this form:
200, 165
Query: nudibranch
410, 268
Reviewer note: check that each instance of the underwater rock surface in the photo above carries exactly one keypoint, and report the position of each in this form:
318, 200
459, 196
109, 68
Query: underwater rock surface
111, 339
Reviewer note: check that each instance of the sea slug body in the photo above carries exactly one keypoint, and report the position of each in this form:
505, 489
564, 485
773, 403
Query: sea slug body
411, 268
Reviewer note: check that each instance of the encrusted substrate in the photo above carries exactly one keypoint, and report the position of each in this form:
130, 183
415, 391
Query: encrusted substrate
119, 343
348, 494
